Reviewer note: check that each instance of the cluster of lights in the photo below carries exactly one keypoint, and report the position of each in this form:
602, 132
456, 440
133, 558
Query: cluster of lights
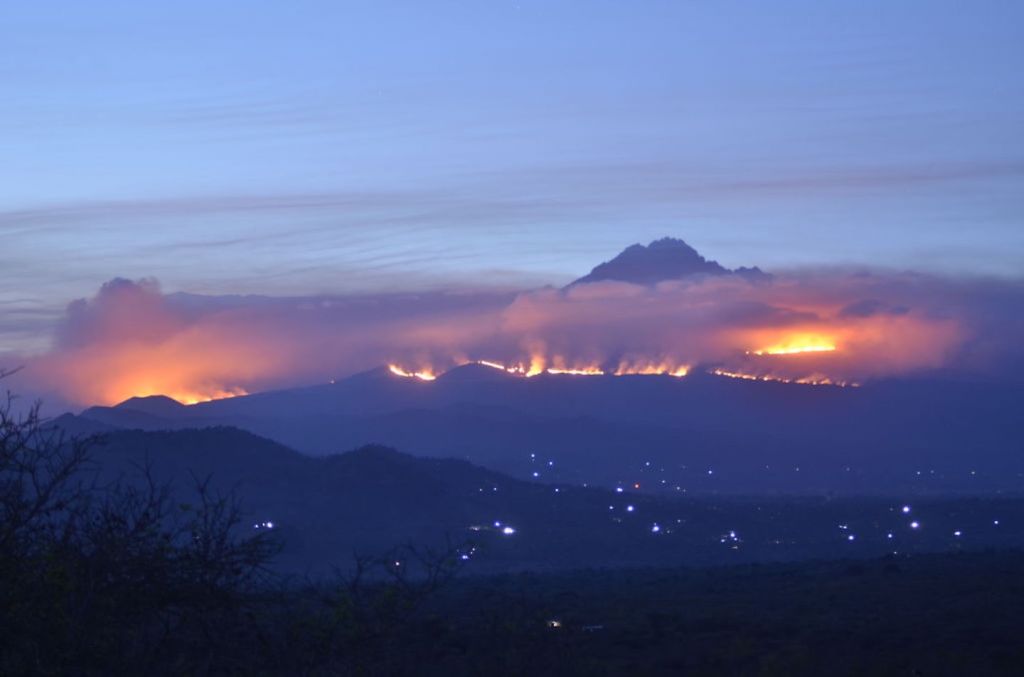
502, 528
263, 525
731, 537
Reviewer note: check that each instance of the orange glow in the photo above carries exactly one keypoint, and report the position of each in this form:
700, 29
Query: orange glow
211, 362
795, 345
176, 369
425, 375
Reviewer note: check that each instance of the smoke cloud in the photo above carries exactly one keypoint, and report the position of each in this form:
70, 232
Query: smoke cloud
831, 325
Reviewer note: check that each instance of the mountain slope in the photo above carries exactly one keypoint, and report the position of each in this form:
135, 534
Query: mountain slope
754, 436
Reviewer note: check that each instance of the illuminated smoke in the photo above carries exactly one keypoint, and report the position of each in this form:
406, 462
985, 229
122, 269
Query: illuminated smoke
822, 328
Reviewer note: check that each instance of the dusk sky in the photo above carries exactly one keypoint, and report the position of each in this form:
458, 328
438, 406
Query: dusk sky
339, 147
505, 337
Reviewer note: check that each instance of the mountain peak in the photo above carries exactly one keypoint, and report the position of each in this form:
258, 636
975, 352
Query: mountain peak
664, 259
152, 404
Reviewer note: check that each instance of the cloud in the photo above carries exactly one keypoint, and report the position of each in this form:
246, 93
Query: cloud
870, 308
131, 339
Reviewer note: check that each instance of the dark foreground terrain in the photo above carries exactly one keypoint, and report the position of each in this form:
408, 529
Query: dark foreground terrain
949, 614
131, 554
928, 615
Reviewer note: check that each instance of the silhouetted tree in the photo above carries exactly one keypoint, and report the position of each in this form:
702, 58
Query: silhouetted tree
93, 577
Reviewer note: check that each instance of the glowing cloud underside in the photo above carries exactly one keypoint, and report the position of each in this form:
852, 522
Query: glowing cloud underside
131, 340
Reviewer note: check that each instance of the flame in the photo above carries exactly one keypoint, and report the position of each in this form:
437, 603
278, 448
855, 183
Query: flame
816, 380
519, 370
197, 397
651, 368
796, 345
537, 366
425, 375
624, 368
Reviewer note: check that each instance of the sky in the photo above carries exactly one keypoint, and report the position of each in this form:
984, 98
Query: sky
311, 148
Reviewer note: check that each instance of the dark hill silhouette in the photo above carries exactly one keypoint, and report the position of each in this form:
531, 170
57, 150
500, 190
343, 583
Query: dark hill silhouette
374, 498
664, 259
155, 405
602, 430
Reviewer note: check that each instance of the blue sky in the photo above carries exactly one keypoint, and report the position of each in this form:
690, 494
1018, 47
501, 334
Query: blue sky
309, 147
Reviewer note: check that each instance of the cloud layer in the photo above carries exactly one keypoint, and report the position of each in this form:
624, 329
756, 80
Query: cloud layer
132, 339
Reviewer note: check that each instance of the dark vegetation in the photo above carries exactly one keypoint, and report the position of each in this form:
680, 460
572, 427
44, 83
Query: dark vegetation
104, 572
93, 576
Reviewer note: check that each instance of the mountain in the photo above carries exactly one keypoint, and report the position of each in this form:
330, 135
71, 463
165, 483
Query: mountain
695, 435
664, 259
